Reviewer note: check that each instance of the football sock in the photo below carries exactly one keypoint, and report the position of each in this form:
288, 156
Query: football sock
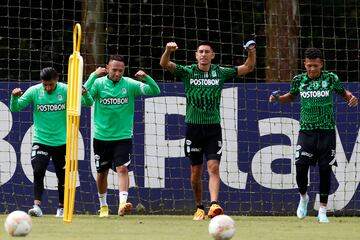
304, 197
200, 206
102, 199
322, 210
123, 196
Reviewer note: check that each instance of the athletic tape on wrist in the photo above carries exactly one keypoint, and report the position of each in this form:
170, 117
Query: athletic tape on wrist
249, 43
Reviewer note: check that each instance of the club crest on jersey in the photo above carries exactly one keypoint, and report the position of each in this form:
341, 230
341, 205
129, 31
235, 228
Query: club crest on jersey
124, 90
59, 97
213, 73
323, 84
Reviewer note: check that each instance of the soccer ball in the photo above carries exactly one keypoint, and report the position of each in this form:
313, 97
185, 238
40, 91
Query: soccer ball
18, 223
222, 227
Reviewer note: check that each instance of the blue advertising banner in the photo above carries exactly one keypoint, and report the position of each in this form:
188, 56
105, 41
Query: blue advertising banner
257, 169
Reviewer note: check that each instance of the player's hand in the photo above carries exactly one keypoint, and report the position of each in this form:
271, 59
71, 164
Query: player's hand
171, 46
83, 91
17, 92
249, 45
274, 96
140, 74
353, 102
101, 71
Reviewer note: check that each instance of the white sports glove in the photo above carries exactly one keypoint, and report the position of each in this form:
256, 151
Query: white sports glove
249, 43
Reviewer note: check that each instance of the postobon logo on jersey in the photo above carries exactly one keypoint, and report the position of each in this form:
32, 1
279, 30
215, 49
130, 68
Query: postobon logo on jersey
114, 101
207, 82
50, 107
315, 94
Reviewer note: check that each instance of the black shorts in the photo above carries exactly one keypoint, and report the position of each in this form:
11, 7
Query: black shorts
111, 154
203, 139
316, 146
41, 155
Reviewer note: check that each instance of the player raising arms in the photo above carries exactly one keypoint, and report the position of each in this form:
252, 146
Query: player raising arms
49, 139
203, 84
114, 97
317, 138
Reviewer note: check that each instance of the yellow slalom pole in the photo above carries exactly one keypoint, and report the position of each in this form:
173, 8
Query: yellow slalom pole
73, 111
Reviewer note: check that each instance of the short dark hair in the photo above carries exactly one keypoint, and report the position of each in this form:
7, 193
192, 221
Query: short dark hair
206, 43
119, 58
48, 74
313, 53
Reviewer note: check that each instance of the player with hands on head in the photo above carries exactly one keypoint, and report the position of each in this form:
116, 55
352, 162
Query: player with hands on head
317, 138
114, 96
203, 83
49, 140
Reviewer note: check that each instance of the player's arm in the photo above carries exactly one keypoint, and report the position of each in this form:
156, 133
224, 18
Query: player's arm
350, 98
99, 72
18, 100
165, 58
346, 94
285, 98
288, 97
250, 62
150, 87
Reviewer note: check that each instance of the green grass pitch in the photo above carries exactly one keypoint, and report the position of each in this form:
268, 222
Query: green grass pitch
151, 227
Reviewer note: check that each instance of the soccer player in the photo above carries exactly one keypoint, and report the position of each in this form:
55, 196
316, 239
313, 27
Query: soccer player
317, 140
49, 140
114, 97
203, 85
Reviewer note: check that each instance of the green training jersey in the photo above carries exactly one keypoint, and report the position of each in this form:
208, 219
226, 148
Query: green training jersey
203, 91
316, 99
49, 112
115, 104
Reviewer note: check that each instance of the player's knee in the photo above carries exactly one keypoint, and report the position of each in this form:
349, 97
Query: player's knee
213, 167
122, 169
302, 170
302, 177
102, 175
325, 178
213, 170
325, 168
39, 175
39, 172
